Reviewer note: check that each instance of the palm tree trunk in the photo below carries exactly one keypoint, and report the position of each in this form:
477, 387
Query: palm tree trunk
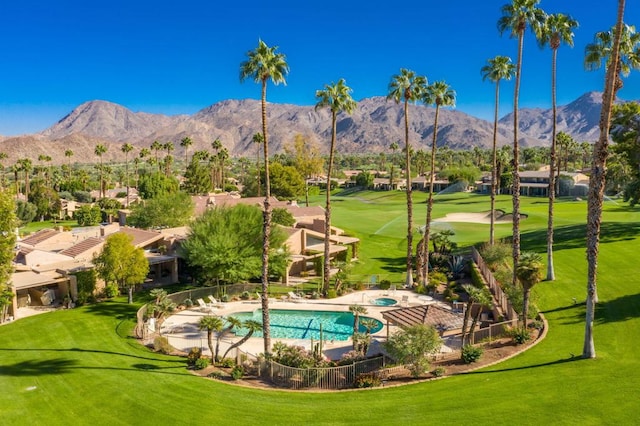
409, 279
494, 166
210, 343
238, 343
526, 295
327, 211
427, 228
266, 229
258, 167
516, 175
596, 188
552, 185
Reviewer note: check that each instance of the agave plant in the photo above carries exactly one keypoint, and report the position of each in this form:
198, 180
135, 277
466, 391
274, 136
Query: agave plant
456, 266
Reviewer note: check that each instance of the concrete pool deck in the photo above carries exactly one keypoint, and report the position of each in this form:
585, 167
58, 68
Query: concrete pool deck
181, 329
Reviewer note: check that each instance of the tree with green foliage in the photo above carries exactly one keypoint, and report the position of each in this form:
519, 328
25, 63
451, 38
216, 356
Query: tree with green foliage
306, 159
516, 17
529, 273
109, 208
46, 200
211, 323
336, 97
8, 223
282, 216
364, 180
100, 150
615, 66
286, 182
126, 149
122, 263
88, 215
252, 326
497, 69
197, 180
357, 310
164, 211
407, 87
413, 345
626, 135
25, 212
224, 244
152, 185
481, 296
264, 64
186, 142
439, 94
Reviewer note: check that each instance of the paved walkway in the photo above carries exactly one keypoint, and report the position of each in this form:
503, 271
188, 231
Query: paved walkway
182, 328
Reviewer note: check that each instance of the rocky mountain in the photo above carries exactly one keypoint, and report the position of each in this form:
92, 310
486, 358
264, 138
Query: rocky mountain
373, 126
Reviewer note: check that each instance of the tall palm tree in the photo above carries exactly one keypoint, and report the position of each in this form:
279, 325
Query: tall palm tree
516, 16
357, 310
407, 87
252, 326
126, 148
211, 323
68, 153
393, 147
156, 146
336, 97
214, 162
168, 159
26, 165
100, 150
186, 142
556, 30
265, 64
597, 182
258, 139
497, 69
3, 156
439, 94
223, 158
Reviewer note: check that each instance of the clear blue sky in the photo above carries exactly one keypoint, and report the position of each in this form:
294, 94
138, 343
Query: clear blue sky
177, 57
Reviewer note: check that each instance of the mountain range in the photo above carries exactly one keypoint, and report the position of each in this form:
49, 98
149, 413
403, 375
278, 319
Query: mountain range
372, 127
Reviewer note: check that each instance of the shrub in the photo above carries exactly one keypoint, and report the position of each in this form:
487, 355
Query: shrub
332, 294
194, 355
111, 290
224, 298
519, 335
350, 357
245, 295
188, 303
470, 354
227, 362
367, 380
237, 372
439, 372
201, 363
86, 281
161, 344
495, 254
384, 285
215, 375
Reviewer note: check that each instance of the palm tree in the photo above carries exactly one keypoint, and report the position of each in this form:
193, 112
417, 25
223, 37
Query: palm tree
556, 29
168, 159
393, 147
357, 310
480, 296
26, 165
597, 183
100, 150
516, 16
68, 153
186, 142
337, 97
156, 146
407, 87
211, 323
529, 273
127, 148
264, 64
252, 326
223, 157
232, 322
497, 69
601, 51
216, 146
3, 156
258, 139
438, 94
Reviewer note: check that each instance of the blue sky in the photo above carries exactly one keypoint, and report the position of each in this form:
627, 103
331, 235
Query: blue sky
176, 57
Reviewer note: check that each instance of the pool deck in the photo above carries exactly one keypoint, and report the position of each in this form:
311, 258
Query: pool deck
182, 328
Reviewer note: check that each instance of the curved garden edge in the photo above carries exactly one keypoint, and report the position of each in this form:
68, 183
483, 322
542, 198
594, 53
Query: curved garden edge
259, 384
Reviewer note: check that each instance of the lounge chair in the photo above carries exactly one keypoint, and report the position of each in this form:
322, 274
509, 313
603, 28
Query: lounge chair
405, 300
294, 297
203, 306
214, 302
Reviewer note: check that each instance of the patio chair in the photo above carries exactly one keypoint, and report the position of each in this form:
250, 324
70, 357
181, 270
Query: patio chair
214, 302
294, 297
405, 300
203, 306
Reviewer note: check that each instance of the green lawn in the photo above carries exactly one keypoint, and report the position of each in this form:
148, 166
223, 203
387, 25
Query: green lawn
87, 370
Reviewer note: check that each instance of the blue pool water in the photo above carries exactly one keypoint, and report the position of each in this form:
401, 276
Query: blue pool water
291, 324
384, 301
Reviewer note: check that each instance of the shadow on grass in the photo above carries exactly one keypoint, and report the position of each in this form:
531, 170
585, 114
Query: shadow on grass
114, 309
393, 264
176, 361
574, 236
622, 308
572, 358
39, 367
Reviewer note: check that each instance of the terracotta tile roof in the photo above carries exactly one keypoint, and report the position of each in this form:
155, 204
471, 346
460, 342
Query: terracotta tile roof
83, 246
39, 237
433, 315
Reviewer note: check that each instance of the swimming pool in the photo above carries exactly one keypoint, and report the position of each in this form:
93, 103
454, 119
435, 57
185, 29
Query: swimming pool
384, 301
298, 324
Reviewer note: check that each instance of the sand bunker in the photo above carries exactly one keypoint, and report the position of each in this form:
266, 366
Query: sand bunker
484, 217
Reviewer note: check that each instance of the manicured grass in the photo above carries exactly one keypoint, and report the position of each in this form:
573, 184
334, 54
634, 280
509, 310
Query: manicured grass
87, 370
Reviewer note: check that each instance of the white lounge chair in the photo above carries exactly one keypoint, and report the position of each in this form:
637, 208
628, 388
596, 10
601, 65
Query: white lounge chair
404, 301
294, 297
214, 302
203, 306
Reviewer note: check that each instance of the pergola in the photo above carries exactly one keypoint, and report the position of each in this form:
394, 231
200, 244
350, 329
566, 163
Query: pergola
444, 320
